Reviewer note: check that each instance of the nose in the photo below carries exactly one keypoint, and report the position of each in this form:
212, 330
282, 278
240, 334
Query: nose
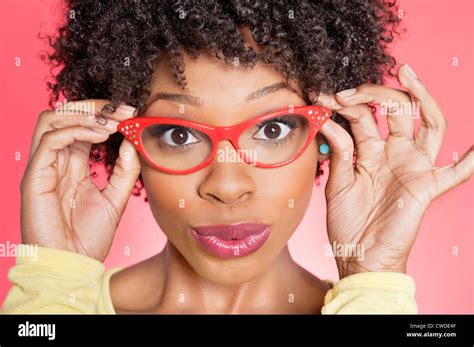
229, 180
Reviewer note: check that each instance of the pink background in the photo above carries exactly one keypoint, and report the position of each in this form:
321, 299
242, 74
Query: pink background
438, 31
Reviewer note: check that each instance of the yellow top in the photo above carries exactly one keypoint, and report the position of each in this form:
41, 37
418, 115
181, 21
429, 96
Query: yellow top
58, 281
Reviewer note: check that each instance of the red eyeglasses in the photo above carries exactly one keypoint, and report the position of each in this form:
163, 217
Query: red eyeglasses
179, 146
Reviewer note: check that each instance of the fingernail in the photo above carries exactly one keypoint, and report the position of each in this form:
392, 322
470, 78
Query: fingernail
410, 71
126, 110
347, 92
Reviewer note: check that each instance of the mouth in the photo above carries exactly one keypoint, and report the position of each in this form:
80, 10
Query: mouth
231, 241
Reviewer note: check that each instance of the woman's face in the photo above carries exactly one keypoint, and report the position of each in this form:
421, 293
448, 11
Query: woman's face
226, 191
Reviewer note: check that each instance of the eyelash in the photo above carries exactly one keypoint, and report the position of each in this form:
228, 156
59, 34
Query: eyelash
285, 119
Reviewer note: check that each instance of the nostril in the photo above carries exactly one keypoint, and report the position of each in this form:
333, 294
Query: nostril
216, 198
229, 200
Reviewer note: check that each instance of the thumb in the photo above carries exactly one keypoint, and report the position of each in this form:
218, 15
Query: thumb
454, 174
124, 177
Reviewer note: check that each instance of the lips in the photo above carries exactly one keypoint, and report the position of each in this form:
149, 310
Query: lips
231, 241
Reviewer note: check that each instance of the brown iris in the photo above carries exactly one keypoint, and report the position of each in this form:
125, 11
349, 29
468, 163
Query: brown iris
272, 131
179, 136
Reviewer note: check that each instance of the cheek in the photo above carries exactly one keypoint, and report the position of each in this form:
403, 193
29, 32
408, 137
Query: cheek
291, 185
286, 192
169, 197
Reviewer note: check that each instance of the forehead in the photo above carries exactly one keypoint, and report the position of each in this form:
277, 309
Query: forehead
212, 79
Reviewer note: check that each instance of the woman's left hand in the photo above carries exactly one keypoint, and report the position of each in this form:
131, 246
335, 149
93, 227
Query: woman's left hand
378, 204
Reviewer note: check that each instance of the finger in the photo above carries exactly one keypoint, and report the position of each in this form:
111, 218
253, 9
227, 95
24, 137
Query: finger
395, 104
50, 122
329, 100
96, 107
80, 151
76, 114
124, 177
342, 152
433, 123
362, 122
54, 141
81, 119
454, 174
359, 115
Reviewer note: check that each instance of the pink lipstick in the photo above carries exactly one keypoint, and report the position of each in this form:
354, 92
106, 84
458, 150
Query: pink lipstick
231, 241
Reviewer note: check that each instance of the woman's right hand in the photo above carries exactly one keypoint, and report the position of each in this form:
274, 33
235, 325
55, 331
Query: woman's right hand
61, 207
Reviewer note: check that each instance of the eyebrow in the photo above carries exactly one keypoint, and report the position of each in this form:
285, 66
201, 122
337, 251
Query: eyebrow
195, 101
266, 90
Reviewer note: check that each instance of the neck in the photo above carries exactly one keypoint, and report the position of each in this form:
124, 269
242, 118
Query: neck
274, 290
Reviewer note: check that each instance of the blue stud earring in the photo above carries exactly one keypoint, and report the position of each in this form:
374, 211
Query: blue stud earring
324, 148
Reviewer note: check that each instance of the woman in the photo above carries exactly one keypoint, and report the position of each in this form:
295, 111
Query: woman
190, 85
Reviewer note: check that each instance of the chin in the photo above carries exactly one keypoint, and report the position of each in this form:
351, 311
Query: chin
231, 272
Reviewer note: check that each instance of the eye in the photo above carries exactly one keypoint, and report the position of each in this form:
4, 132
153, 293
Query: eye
273, 131
179, 136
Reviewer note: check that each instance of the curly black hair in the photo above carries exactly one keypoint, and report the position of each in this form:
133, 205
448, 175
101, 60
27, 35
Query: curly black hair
109, 49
